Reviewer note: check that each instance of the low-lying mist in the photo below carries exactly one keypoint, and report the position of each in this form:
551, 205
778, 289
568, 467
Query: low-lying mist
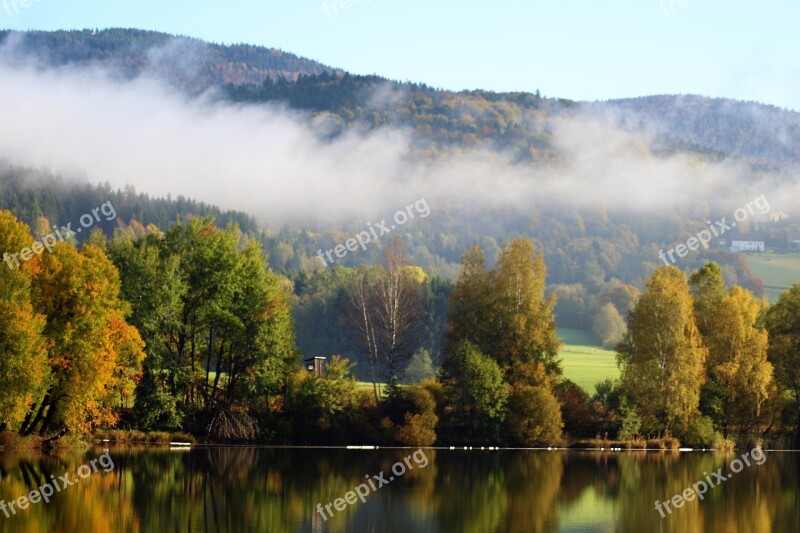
280, 166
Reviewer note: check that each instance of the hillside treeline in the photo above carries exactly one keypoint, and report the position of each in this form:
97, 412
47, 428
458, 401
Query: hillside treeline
190, 329
591, 254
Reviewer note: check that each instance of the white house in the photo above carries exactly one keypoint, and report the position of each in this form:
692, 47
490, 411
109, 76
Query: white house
747, 242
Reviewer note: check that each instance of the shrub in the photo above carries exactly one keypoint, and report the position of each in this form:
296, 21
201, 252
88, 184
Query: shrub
631, 424
722, 444
12, 441
576, 409
701, 432
477, 393
418, 430
534, 417
412, 414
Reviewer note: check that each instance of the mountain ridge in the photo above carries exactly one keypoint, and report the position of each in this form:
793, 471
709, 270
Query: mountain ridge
760, 134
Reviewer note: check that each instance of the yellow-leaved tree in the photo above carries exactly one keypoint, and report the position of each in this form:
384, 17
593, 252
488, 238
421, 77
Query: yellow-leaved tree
93, 354
662, 355
739, 375
24, 367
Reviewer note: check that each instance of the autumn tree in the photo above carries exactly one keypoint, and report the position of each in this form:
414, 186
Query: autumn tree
783, 324
411, 413
90, 343
608, 326
662, 355
360, 317
525, 326
739, 375
534, 417
708, 290
622, 296
24, 365
398, 299
470, 315
576, 409
503, 312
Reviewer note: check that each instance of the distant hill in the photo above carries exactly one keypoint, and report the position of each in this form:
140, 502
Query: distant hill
188, 63
765, 136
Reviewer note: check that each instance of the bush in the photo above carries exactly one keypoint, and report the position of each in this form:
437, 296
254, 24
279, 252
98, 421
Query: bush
534, 417
411, 412
324, 410
722, 444
12, 441
141, 437
160, 437
636, 443
576, 409
477, 393
183, 437
669, 443
631, 424
418, 430
701, 432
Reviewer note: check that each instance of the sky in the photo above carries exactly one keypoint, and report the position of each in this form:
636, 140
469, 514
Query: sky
577, 49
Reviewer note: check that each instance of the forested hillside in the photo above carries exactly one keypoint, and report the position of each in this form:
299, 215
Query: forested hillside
516, 122
33, 195
593, 258
190, 64
764, 135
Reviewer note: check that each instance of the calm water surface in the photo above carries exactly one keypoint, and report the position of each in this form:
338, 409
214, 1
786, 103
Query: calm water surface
265, 490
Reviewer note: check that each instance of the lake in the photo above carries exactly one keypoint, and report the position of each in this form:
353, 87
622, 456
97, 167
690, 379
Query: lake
251, 489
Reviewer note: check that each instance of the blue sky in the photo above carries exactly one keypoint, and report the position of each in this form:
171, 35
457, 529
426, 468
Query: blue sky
579, 49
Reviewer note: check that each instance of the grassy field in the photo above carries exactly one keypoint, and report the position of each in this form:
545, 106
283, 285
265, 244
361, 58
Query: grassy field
367, 385
584, 361
778, 271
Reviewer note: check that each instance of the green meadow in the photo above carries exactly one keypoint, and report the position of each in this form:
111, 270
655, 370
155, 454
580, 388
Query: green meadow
778, 272
584, 361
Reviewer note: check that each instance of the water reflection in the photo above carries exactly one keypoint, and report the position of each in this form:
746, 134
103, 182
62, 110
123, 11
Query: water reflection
277, 490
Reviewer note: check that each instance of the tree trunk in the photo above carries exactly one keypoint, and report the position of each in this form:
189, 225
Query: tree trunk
25, 431
47, 419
